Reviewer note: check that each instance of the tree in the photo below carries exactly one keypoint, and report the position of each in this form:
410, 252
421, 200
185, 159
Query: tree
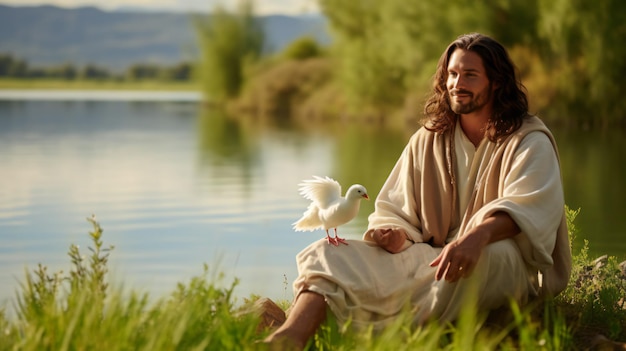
65, 71
586, 49
229, 43
12, 67
179, 72
302, 49
142, 71
388, 48
91, 71
6, 60
18, 69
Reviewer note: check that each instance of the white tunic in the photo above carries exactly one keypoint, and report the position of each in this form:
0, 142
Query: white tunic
364, 283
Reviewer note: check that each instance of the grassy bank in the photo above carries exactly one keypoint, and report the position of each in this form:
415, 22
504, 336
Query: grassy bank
63, 84
80, 311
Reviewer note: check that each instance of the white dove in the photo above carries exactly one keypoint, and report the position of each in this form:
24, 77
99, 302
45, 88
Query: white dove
328, 209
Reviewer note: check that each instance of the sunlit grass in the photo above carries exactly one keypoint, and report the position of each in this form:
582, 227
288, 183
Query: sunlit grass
63, 84
80, 311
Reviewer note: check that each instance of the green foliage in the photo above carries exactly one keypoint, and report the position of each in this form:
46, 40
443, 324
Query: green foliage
143, 71
229, 44
97, 84
94, 72
594, 298
585, 50
539, 326
597, 291
16, 68
80, 312
524, 331
388, 49
12, 67
283, 89
302, 49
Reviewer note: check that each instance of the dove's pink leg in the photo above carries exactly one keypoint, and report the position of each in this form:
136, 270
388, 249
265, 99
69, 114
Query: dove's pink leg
331, 240
339, 240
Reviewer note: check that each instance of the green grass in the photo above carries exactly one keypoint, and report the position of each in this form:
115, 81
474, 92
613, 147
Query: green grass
80, 311
58, 84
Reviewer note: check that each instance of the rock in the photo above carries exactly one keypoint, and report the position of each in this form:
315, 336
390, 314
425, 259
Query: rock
271, 315
602, 343
600, 261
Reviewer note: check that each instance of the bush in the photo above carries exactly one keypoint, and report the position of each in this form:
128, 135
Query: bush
281, 90
302, 49
594, 300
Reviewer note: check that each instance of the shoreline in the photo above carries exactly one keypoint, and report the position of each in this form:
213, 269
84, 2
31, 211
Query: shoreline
99, 95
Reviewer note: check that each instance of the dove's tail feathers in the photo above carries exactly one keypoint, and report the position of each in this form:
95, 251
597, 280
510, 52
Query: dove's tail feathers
309, 222
304, 226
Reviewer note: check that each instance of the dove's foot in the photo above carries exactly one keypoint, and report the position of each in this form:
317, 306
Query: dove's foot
332, 241
341, 240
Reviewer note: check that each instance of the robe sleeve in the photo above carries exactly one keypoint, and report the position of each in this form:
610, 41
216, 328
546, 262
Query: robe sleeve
396, 204
532, 194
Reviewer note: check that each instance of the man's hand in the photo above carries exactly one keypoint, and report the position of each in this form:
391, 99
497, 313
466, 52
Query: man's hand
392, 240
458, 258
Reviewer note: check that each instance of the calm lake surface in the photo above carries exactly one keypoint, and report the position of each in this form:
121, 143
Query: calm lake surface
175, 186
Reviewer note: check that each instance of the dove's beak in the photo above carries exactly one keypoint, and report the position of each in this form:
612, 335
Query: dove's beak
366, 196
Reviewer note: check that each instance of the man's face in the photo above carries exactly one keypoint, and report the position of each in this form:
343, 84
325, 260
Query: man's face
468, 87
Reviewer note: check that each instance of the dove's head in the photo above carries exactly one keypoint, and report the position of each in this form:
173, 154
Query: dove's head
356, 192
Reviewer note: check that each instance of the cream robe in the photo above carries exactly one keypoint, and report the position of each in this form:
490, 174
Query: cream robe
520, 175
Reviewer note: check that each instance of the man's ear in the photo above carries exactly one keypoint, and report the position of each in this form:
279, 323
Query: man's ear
494, 86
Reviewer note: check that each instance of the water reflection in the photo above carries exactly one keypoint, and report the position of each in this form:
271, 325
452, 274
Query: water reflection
222, 140
594, 169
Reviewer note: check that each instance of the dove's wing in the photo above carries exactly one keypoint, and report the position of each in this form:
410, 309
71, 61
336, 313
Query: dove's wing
324, 192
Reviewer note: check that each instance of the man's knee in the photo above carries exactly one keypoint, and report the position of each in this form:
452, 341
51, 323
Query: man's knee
503, 252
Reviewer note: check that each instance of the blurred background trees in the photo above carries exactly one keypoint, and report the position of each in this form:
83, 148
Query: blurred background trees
11, 67
382, 56
571, 50
230, 42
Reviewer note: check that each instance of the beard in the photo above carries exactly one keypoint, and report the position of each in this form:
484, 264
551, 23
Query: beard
475, 103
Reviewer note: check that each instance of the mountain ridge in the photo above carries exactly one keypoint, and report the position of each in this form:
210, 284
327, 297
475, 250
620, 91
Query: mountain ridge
48, 35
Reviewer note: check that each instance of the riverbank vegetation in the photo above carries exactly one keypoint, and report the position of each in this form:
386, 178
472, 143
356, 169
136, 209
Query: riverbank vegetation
16, 69
384, 53
83, 310
80, 84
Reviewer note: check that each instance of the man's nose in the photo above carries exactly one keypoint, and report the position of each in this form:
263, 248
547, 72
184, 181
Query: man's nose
458, 82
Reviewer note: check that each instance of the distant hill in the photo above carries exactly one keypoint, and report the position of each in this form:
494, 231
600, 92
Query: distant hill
48, 35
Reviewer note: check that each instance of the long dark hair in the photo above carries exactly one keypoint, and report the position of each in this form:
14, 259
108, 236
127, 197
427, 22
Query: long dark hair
510, 104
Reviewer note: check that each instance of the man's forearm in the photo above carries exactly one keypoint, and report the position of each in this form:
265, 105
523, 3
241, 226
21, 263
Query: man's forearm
498, 227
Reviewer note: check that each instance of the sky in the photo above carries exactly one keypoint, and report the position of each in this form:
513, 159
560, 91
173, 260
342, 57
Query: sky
263, 7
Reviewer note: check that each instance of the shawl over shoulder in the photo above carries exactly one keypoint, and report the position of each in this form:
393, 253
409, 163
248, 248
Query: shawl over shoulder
421, 197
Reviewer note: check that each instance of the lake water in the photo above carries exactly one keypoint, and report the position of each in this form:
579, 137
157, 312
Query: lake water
175, 185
